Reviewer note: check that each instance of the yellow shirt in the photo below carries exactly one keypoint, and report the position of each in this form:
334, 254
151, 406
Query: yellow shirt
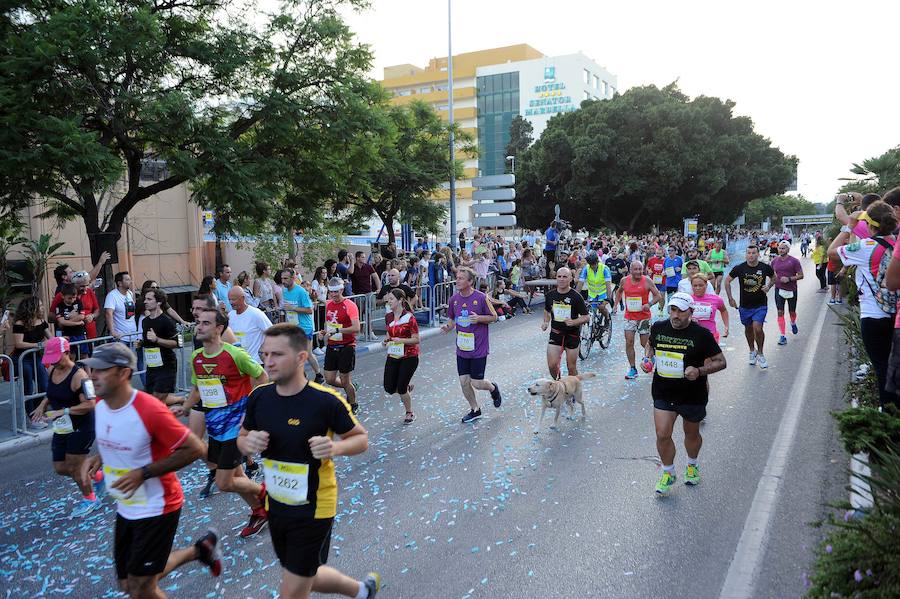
818, 255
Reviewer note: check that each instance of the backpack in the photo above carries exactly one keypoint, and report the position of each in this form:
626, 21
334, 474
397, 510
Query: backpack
887, 300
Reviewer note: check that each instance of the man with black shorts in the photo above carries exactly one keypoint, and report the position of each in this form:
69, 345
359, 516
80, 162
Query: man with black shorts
565, 308
141, 447
752, 277
159, 341
222, 376
341, 327
292, 424
684, 353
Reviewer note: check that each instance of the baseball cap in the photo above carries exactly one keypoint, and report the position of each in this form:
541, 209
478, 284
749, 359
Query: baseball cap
692, 262
680, 300
785, 242
81, 277
111, 354
335, 284
54, 349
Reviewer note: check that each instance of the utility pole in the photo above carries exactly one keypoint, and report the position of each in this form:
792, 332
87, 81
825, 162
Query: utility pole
453, 240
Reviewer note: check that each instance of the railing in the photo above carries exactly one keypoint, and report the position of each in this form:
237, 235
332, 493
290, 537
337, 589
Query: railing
13, 407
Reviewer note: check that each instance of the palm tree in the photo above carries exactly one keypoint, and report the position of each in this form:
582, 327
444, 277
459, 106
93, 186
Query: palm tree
879, 174
38, 254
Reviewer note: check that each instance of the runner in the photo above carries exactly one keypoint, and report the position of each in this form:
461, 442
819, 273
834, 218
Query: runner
298, 310
706, 304
718, 260
787, 272
692, 267
341, 327
656, 267
673, 265
402, 342
599, 283
159, 341
619, 269
222, 377
565, 308
751, 276
71, 411
469, 311
685, 353
636, 290
292, 423
248, 323
141, 446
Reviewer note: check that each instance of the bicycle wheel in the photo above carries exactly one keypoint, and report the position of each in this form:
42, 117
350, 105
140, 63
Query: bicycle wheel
605, 331
587, 340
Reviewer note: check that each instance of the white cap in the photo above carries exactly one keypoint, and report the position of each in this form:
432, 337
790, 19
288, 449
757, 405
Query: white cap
680, 300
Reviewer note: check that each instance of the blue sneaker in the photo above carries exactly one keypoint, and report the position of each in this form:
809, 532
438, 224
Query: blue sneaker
99, 486
794, 328
782, 340
632, 373
85, 507
472, 416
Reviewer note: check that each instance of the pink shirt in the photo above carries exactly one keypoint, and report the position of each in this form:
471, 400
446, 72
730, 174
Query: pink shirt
705, 308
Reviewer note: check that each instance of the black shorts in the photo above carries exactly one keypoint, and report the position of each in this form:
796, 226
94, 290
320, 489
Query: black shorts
161, 380
341, 358
199, 407
75, 443
398, 372
833, 278
472, 367
567, 340
690, 412
301, 544
224, 454
791, 302
143, 546
718, 273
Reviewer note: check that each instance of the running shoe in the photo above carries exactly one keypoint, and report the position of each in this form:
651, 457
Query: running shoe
208, 552
495, 395
99, 483
207, 489
354, 407
665, 482
410, 418
372, 582
631, 374
794, 329
753, 358
258, 520
762, 361
832, 301
692, 475
85, 507
251, 468
320, 378
472, 416
782, 340
840, 301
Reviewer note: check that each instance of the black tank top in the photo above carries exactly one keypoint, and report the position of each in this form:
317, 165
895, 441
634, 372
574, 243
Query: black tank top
60, 395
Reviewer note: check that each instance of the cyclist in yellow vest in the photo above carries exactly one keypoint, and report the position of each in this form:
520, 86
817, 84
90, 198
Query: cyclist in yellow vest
598, 279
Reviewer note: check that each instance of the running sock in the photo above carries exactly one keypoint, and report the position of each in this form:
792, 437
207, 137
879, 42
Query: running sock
781, 324
91, 497
363, 591
670, 469
692, 461
793, 318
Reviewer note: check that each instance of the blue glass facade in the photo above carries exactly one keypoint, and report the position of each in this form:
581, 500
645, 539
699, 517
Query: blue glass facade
498, 102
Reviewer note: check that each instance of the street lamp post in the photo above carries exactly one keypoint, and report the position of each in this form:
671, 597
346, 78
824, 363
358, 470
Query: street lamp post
450, 112
512, 159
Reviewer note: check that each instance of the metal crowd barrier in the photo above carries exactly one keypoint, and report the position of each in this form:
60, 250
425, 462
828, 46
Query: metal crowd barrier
440, 298
13, 408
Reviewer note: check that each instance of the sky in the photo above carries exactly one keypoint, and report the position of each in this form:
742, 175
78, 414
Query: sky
819, 79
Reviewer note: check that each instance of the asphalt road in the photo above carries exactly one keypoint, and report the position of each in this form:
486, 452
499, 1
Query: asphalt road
446, 510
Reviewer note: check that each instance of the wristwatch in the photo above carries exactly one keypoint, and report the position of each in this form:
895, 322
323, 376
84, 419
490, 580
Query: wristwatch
145, 472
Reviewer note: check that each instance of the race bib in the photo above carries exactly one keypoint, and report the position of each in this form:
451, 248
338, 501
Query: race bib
670, 271
212, 393
562, 312
634, 304
702, 311
153, 357
63, 425
657, 279
286, 482
465, 341
333, 327
395, 349
138, 497
240, 335
785, 293
670, 365
292, 317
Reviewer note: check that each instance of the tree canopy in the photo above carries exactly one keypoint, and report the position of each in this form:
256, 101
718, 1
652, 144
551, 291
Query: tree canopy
776, 207
875, 175
648, 156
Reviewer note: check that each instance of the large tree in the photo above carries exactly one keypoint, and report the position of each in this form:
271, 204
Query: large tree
776, 207
521, 135
224, 94
646, 157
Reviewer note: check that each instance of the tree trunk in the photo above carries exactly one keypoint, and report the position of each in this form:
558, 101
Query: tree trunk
388, 221
634, 219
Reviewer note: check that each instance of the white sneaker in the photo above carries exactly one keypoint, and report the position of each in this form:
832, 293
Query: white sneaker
761, 360
753, 358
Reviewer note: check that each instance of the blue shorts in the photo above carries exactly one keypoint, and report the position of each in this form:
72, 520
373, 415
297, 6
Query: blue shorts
471, 367
751, 315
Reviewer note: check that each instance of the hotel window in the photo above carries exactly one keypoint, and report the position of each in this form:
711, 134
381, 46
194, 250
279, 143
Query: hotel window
424, 90
587, 96
587, 77
605, 88
596, 82
404, 92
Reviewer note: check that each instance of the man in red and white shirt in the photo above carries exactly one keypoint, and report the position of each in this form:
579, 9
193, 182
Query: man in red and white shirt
341, 327
141, 447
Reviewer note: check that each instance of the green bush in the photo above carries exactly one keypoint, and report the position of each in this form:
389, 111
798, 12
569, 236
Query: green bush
865, 428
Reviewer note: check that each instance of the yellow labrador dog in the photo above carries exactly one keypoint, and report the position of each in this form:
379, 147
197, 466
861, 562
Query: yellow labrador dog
556, 393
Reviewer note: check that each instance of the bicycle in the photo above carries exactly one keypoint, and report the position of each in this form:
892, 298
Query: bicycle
598, 329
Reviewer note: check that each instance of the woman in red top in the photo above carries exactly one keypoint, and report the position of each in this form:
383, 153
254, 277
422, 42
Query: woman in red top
402, 342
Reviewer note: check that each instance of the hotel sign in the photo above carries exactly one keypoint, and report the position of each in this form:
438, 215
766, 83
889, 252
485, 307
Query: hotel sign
549, 98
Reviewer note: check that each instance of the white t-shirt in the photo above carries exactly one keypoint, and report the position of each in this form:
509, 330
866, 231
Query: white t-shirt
860, 253
123, 313
684, 286
249, 328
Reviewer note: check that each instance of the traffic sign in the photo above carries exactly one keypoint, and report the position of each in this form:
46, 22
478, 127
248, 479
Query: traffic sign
504, 193
494, 181
495, 208
491, 222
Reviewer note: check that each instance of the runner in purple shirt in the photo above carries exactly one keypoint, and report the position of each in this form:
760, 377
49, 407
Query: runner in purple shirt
787, 272
470, 312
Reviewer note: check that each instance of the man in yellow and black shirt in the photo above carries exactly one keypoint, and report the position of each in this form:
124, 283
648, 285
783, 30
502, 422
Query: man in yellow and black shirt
292, 424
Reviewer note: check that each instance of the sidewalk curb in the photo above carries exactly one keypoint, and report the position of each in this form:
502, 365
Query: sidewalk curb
860, 493
377, 347
24, 442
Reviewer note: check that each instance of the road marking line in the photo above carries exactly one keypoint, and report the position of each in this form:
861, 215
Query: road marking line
749, 552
